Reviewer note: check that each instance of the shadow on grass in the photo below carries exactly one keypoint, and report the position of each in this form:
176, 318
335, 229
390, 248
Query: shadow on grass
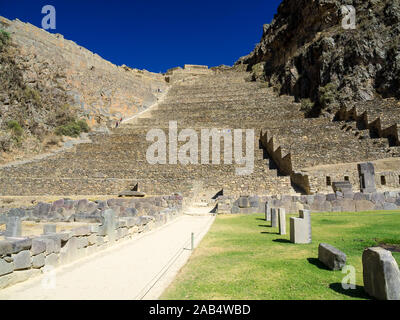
318, 263
358, 292
282, 240
264, 226
272, 232
261, 219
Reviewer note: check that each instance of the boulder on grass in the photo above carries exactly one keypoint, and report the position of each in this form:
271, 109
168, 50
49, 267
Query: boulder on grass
332, 257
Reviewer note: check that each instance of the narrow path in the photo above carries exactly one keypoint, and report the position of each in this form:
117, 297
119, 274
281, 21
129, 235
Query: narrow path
140, 268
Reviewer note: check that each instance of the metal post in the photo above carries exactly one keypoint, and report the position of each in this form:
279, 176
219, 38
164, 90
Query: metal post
192, 241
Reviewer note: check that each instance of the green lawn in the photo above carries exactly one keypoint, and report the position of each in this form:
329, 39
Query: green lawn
243, 258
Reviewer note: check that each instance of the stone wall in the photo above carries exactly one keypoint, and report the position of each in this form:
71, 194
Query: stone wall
314, 180
332, 202
187, 73
118, 220
379, 125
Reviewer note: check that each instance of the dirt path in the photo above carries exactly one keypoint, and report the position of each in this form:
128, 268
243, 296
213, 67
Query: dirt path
137, 269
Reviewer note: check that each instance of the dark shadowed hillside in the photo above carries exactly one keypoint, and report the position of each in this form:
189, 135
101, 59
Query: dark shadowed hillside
307, 53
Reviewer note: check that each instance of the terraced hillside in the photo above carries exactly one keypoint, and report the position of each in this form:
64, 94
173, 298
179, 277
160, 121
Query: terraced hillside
222, 100
111, 163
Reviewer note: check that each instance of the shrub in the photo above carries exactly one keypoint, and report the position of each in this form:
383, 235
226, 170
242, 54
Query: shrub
72, 129
327, 94
4, 39
83, 125
63, 114
32, 95
15, 127
306, 106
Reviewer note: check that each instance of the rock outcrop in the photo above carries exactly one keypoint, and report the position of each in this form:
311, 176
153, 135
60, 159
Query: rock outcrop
307, 53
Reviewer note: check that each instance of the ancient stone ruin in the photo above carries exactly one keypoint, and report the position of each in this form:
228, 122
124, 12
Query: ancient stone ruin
344, 157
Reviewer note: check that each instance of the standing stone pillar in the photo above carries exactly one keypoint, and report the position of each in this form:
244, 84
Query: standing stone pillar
300, 228
109, 224
381, 274
274, 217
13, 227
367, 177
267, 211
282, 220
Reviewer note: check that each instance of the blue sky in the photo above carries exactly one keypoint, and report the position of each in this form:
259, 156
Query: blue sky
155, 35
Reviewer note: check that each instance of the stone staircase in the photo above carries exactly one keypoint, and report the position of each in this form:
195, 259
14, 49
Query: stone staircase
113, 162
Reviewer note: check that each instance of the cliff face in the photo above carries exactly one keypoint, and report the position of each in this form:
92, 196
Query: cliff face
307, 53
98, 89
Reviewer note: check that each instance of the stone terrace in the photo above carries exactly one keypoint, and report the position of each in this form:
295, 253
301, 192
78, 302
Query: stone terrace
111, 163
221, 100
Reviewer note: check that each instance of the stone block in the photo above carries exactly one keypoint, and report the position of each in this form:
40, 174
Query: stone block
57, 205
5, 248
235, 209
321, 206
38, 261
53, 244
52, 260
82, 205
331, 197
364, 205
42, 209
319, 197
82, 231
83, 242
6, 266
49, 228
244, 202
254, 201
13, 227
38, 246
300, 228
108, 224
347, 205
367, 177
100, 240
381, 274
377, 198
65, 235
20, 244
274, 217
94, 228
122, 223
267, 211
332, 257
69, 252
22, 260
389, 206
17, 277
282, 221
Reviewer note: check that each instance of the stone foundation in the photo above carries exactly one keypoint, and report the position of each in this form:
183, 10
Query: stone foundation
117, 219
333, 202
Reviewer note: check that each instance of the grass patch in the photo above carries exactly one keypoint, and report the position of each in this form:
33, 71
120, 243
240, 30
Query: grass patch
243, 258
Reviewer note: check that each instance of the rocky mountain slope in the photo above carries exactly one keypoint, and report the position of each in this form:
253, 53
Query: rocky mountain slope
48, 84
306, 52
